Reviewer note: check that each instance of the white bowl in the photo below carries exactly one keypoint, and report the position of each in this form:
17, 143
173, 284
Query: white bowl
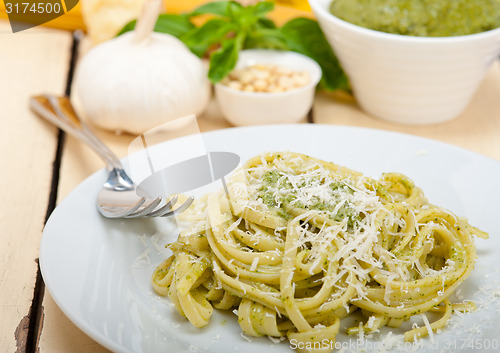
406, 79
256, 108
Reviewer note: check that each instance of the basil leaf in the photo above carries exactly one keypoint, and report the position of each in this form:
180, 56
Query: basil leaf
213, 31
304, 36
175, 25
262, 8
247, 17
220, 8
265, 22
223, 61
268, 38
127, 28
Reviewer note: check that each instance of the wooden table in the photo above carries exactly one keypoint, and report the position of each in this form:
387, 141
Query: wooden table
39, 166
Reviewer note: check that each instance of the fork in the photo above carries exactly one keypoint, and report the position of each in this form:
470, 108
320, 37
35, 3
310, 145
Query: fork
117, 198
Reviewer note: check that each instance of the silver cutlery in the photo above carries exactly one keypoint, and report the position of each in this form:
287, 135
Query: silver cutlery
118, 197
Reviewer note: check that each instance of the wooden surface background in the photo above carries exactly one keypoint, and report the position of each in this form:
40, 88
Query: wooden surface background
39, 167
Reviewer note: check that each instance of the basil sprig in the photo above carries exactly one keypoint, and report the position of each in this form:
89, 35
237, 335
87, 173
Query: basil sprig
233, 27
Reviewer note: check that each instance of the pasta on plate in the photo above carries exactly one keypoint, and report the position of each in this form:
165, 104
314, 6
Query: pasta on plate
296, 244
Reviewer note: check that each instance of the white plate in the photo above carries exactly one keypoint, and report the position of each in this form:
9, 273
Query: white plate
90, 265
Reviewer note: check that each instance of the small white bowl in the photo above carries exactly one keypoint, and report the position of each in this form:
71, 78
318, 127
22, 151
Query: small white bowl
406, 79
255, 108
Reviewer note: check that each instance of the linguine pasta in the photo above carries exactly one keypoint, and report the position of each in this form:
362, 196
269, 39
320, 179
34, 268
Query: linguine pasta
297, 243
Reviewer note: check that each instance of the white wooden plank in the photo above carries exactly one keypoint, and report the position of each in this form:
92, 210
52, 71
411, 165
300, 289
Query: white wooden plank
30, 62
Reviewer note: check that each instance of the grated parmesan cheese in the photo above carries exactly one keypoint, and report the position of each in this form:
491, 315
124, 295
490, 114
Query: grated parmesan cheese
142, 260
255, 263
245, 337
429, 328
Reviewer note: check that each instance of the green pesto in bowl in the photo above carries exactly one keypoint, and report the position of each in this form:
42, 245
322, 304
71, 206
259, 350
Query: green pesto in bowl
423, 18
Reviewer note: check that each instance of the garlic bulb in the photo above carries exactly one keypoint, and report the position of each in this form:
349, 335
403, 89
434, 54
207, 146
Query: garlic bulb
139, 81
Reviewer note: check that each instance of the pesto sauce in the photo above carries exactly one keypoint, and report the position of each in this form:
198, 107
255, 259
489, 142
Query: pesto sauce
424, 18
283, 202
